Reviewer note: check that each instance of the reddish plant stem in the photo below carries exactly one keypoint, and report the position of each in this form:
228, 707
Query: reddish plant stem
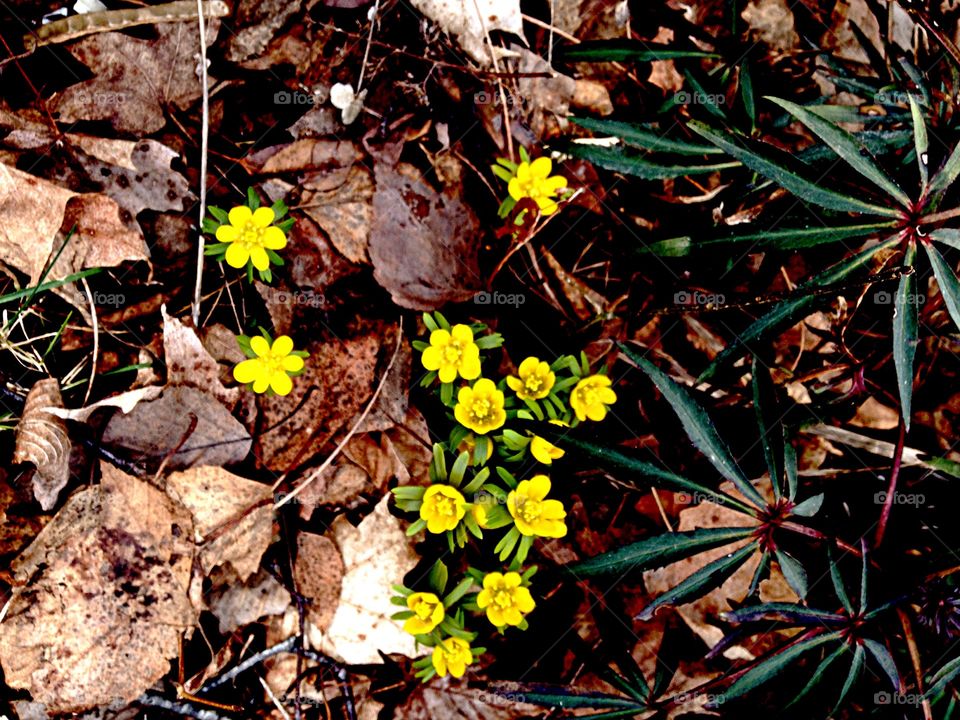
892, 486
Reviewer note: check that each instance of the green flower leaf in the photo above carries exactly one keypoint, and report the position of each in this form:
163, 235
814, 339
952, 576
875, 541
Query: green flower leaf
905, 330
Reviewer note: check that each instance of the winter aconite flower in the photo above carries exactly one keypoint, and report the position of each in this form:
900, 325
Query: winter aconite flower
535, 380
505, 600
271, 366
453, 352
452, 655
532, 513
428, 613
480, 408
443, 508
545, 451
250, 234
533, 180
591, 396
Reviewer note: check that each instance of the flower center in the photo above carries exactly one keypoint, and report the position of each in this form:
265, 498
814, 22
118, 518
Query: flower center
531, 188
503, 599
445, 506
424, 609
250, 235
529, 510
588, 396
533, 383
272, 363
481, 408
452, 353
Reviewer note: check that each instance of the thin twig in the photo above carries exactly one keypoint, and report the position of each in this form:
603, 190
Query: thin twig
96, 340
343, 443
366, 52
204, 143
892, 487
179, 707
286, 646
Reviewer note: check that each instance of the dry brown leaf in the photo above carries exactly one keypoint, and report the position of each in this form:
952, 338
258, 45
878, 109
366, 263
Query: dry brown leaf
318, 573
237, 604
546, 99
107, 597
471, 21
376, 554
154, 429
772, 22
101, 238
189, 363
454, 699
343, 208
256, 23
585, 301
134, 80
42, 440
339, 379
423, 244
233, 516
124, 401
410, 440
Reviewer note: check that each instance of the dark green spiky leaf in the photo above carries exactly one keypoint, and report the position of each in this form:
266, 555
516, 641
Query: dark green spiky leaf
809, 507
905, 329
839, 588
793, 572
947, 281
856, 668
631, 162
774, 665
817, 676
615, 459
847, 147
699, 428
644, 136
762, 571
920, 142
560, 696
624, 50
789, 311
943, 677
702, 581
746, 93
768, 424
884, 660
757, 157
948, 173
657, 551
786, 612
948, 236
791, 469
864, 594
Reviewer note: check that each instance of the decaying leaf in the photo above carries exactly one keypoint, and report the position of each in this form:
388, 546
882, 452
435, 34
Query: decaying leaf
454, 699
470, 21
153, 430
343, 208
134, 80
319, 576
42, 439
103, 597
237, 604
189, 363
233, 516
376, 554
423, 244
124, 401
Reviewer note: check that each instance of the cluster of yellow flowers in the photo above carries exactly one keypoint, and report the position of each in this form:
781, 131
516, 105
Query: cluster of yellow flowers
461, 500
248, 237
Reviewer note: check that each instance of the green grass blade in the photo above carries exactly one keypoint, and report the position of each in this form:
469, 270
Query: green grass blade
699, 427
748, 152
847, 147
657, 551
905, 330
702, 581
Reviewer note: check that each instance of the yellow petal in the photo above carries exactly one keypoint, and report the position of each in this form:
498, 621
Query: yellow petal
484, 387
227, 233
541, 168
262, 217
431, 358
553, 184
538, 487
259, 345
293, 363
259, 257
546, 205
597, 412
462, 334
273, 237
448, 373
439, 338
283, 345
237, 255
281, 383
514, 383
261, 384
515, 189
523, 171
528, 366
239, 216
246, 371
512, 579
470, 368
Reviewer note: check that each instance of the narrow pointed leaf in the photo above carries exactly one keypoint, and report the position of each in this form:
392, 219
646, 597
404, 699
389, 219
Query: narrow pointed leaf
863, 575
643, 136
791, 469
787, 612
847, 147
905, 329
631, 162
789, 311
774, 665
947, 281
757, 159
817, 676
768, 424
943, 677
884, 660
793, 573
699, 428
920, 141
560, 696
624, 50
809, 507
856, 668
702, 581
657, 551
948, 173
948, 236
838, 586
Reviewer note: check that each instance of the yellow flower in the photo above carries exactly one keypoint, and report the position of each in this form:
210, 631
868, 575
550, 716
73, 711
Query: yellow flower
482, 504
591, 396
533, 180
250, 233
271, 366
480, 408
428, 613
532, 513
545, 451
504, 598
452, 655
451, 352
443, 507
535, 381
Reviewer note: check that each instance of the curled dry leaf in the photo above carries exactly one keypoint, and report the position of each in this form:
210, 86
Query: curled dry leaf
423, 244
102, 598
124, 401
189, 363
233, 516
42, 440
376, 554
